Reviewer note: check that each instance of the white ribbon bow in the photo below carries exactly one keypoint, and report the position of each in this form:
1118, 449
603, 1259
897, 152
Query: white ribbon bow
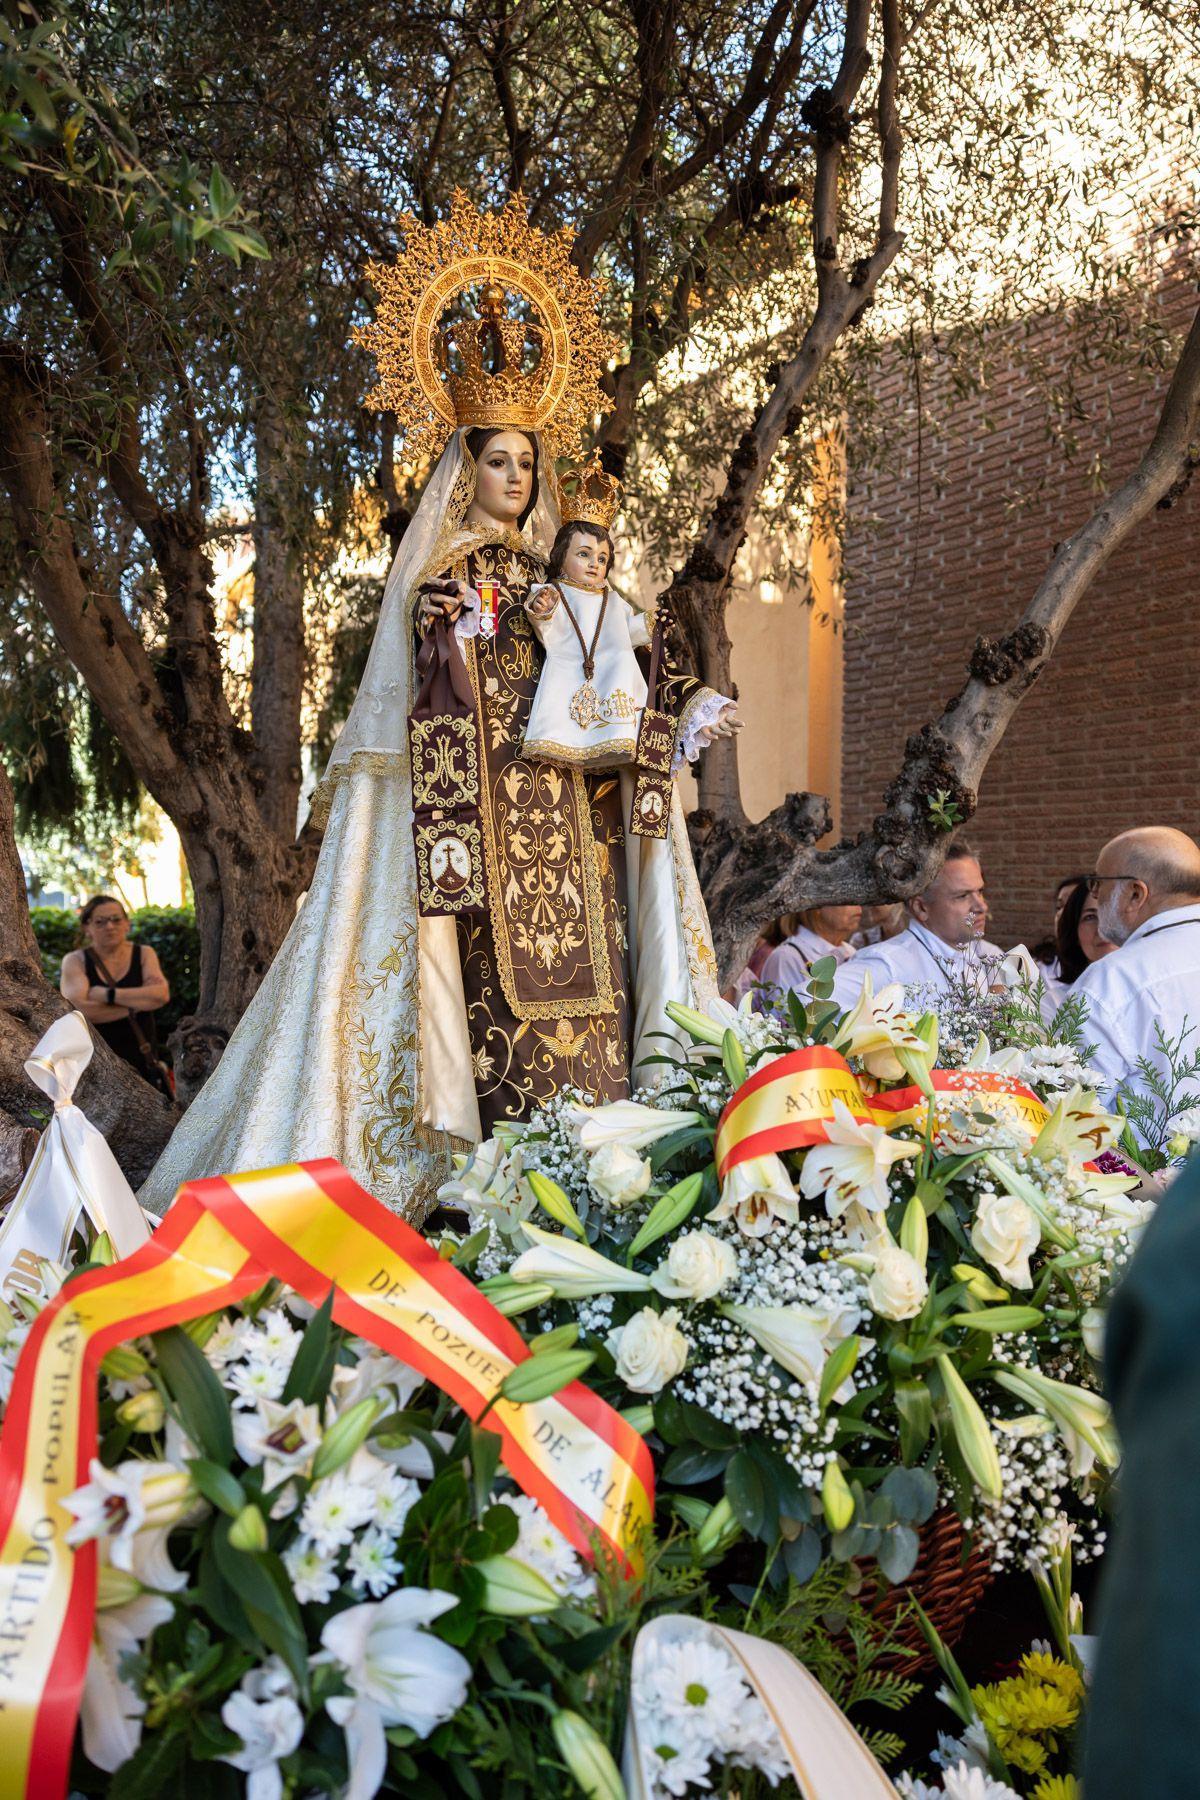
72, 1169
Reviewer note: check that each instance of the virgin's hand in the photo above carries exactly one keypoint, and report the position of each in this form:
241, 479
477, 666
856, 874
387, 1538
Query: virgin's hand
443, 600
728, 724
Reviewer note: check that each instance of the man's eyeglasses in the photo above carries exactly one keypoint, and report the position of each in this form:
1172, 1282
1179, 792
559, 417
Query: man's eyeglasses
1093, 881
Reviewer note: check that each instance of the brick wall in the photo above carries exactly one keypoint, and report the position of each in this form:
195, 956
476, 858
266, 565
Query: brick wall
1107, 738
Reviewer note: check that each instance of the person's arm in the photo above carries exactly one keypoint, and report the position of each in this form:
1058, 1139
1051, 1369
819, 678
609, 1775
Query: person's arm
154, 991
90, 1001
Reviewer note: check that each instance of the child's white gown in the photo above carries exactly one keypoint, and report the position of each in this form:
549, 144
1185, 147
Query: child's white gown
593, 722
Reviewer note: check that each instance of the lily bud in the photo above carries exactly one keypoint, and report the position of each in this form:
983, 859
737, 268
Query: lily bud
512, 1298
699, 1027
249, 1530
971, 1432
124, 1363
836, 1497
734, 1058
168, 1497
587, 1757
1179, 1145
551, 1198
102, 1250
345, 1436
640, 1417
719, 1531
512, 1590
200, 1330
143, 1412
541, 1376
115, 1587
978, 1283
914, 1231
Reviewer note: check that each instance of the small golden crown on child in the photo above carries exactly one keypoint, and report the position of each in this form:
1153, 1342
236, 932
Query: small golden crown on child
588, 493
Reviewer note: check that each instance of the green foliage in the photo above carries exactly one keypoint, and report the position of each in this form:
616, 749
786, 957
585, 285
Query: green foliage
56, 929
944, 812
1164, 1092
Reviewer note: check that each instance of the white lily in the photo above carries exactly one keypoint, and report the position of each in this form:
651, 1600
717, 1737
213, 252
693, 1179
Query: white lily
1077, 1130
398, 1674
373, 1373
118, 1503
798, 1337
283, 1439
264, 1714
1005, 1061
574, 1270
487, 1185
1083, 1419
852, 1168
876, 1028
756, 1192
626, 1122
111, 1709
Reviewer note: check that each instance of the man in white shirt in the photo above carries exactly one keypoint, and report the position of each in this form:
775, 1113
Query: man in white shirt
821, 931
1147, 884
943, 940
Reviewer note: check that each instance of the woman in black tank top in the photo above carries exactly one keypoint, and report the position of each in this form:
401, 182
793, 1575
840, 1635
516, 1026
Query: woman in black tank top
119, 1007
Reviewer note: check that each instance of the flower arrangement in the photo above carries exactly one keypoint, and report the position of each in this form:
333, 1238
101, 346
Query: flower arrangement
900, 1313
312, 1574
1019, 1735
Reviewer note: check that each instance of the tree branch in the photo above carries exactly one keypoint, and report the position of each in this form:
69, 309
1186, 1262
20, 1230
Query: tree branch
764, 870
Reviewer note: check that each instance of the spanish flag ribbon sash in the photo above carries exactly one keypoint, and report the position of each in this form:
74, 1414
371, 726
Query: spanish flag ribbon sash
312, 1226
787, 1104
906, 1106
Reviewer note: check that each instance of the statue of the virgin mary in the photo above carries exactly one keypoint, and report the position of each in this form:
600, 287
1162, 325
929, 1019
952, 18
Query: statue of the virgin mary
381, 1035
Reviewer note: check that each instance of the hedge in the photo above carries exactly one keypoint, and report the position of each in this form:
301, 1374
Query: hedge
169, 930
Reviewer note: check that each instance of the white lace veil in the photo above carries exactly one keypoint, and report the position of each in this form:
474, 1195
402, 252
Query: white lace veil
378, 720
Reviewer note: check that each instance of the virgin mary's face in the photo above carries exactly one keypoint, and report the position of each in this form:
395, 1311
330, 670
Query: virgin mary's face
503, 479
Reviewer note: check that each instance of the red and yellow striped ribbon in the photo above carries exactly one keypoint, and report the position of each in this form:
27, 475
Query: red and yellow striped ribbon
312, 1226
787, 1104
906, 1106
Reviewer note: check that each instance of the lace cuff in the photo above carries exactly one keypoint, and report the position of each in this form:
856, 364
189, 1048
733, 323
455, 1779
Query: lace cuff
695, 725
467, 623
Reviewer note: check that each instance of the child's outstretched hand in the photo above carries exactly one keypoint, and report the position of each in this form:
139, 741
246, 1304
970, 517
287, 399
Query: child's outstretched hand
542, 604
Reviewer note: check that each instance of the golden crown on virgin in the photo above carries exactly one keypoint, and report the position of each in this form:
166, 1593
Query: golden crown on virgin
497, 914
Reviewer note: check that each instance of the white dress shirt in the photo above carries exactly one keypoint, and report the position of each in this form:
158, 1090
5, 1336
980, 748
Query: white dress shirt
916, 957
1152, 980
788, 965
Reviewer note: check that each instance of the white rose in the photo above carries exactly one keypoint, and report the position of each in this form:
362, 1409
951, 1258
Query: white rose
1091, 1329
1006, 1234
650, 1350
897, 1288
619, 1175
698, 1265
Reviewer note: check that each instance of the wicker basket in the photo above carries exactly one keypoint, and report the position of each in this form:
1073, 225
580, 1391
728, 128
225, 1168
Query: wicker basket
946, 1586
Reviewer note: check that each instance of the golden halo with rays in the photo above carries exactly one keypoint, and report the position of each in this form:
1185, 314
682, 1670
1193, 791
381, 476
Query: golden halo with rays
560, 397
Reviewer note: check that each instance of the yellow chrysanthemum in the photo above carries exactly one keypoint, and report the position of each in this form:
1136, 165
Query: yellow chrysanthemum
1052, 1669
994, 1707
1058, 1787
1036, 1707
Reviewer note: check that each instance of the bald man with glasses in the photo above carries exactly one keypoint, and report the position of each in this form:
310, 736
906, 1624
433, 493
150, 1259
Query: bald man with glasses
1147, 888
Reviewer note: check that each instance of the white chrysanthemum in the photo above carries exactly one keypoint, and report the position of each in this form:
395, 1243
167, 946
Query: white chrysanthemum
313, 1575
272, 1337
372, 1563
227, 1342
259, 1379
672, 1768
335, 1509
542, 1546
696, 1684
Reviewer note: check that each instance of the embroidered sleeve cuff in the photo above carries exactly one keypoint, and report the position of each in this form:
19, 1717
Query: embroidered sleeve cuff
695, 724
